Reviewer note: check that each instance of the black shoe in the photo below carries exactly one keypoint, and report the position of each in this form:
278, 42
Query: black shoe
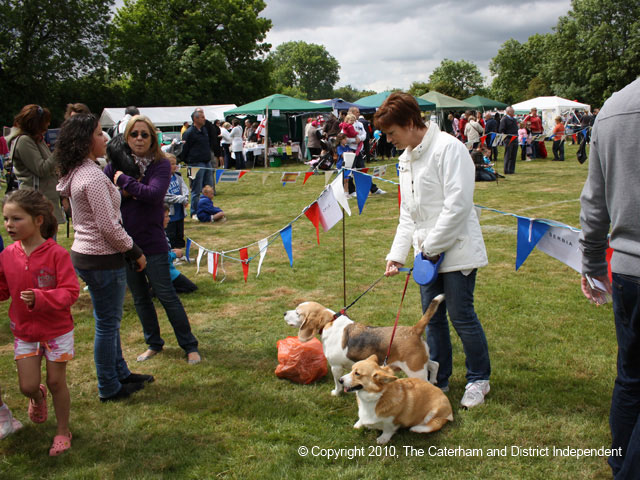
137, 378
125, 392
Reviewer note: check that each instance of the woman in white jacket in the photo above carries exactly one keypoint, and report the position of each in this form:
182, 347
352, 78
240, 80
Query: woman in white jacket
236, 144
437, 217
225, 143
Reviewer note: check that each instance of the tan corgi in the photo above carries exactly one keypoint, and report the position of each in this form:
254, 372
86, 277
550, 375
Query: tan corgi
386, 402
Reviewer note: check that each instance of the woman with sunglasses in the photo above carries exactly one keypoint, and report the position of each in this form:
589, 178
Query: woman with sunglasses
33, 163
143, 217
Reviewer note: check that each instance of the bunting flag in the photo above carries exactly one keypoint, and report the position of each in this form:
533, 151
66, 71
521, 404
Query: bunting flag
210, 268
337, 187
216, 258
187, 248
561, 243
264, 178
330, 212
497, 140
327, 177
575, 137
313, 214
285, 235
513, 137
365, 170
306, 177
200, 253
380, 171
363, 186
397, 169
289, 177
263, 245
493, 136
228, 175
483, 138
192, 171
244, 256
529, 234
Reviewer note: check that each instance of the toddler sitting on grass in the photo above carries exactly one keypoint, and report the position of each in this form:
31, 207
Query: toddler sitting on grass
206, 212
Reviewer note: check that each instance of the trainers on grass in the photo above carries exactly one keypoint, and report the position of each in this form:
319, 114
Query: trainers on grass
474, 393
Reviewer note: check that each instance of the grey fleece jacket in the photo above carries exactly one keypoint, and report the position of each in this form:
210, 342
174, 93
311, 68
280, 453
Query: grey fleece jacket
611, 194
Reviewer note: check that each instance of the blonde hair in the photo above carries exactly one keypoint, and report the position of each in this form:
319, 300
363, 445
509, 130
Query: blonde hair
207, 189
171, 156
154, 148
226, 125
350, 118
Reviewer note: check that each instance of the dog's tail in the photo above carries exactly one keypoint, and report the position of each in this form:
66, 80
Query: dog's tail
419, 327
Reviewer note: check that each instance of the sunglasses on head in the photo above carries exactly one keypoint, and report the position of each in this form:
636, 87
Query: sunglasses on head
135, 134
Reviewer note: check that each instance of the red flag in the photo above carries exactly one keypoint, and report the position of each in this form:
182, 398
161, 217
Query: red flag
313, 214
513, 137
306, 177
242, 172
575, 137
399, 197
609, 253
244, 255
216, 257
364, 170
483, 138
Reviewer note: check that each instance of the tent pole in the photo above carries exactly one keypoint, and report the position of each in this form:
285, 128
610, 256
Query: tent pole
266, 138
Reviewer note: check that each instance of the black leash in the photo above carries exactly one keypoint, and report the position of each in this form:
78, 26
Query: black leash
343, 310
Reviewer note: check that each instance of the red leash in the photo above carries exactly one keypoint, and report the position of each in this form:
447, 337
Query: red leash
393, 334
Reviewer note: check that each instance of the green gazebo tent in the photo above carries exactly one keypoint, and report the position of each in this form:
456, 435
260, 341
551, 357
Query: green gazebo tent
485, 103
279, 103
376, 100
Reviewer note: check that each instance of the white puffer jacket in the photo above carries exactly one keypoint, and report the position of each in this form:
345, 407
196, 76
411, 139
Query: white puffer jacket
437, 180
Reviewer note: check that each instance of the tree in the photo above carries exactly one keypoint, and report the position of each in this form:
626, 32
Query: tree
419, 88
459, 79
305, 66
171, 52
43, 44
351, 94
599, 50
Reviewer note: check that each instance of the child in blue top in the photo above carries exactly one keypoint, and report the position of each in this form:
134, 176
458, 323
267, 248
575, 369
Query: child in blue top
181, 283
177, 197
206, 212
342, 140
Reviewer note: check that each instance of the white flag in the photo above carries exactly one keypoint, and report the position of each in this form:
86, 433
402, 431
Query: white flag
200, 253
210, 262
330, 212
562, 244
337, 186
262, 245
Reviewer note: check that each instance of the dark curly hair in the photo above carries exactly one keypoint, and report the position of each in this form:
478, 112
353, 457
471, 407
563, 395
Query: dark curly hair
74, 141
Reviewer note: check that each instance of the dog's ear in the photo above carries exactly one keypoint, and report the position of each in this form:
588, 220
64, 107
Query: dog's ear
373, 358
387, 369
383, 377
306, 331
314, 322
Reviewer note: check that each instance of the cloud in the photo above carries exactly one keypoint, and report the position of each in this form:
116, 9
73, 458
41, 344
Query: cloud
381, 44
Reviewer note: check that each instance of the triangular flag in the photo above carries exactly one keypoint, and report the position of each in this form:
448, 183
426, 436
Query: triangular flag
219, 174
483, 138
337, 187
216, 258
327, 177
289, 177
306, 177
513, 137
365, 170
330, 211
200, 253
263, 245
210, 263
243, 173
493, 136
575, 137
264, 178
187, 248
285, 235
244, 256
313, 214
363, 186
561, 242
529, 234
228, 175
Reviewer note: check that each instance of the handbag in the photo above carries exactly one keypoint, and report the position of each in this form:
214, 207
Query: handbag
425, 271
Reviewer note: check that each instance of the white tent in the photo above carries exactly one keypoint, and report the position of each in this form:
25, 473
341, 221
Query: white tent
165, 116
549, 108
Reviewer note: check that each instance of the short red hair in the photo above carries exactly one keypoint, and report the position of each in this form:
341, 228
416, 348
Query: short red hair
399, 109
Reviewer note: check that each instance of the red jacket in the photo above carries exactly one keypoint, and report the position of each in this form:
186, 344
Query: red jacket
49, 273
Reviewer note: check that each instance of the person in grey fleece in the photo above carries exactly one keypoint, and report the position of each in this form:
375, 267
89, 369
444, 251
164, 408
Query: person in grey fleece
611, 198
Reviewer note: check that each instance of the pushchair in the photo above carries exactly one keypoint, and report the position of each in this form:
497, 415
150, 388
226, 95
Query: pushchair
326, 159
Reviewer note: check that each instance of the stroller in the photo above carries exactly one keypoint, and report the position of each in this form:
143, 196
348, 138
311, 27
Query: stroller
326, 159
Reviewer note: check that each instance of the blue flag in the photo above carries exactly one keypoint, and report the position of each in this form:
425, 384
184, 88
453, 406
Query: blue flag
285, 235
363, 186
530, 232
187, 248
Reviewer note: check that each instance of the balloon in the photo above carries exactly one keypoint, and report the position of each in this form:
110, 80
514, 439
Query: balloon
377, 134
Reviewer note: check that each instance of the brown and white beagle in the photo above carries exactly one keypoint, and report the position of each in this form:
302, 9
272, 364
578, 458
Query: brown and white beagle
345, 342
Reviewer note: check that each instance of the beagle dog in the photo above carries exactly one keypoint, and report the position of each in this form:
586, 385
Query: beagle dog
345, 342
387, 403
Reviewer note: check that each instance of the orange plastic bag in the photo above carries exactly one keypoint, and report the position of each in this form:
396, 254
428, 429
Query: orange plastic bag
301, 362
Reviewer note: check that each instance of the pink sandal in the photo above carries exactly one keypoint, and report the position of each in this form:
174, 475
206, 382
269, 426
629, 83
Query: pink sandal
38, 413
61, 443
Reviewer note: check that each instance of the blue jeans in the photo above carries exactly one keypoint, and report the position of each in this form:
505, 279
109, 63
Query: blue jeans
203, 177
157, 276
458, 290
625, 402
107, 288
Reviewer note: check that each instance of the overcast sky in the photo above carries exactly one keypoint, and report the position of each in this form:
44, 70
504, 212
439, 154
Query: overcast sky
384, 44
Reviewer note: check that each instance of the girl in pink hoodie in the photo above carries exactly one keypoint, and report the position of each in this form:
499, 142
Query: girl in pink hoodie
38, 275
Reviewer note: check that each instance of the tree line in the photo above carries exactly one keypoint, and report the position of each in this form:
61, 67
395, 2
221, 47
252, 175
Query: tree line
193, 52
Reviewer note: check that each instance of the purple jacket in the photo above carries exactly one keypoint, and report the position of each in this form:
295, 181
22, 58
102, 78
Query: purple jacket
143, 211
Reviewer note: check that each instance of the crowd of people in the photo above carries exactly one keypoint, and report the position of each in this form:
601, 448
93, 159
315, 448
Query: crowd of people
129, 229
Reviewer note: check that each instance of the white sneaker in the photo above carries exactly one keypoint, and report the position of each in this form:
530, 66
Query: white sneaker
379, 192
354, 195
474, 393
8, 424
194, 217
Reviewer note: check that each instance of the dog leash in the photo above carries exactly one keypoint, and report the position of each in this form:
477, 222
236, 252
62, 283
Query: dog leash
395, 326
343, 310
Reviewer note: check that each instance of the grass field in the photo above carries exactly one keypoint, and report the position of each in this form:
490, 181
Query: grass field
552, 353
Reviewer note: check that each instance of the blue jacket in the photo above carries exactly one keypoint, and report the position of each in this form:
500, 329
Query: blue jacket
206, 209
